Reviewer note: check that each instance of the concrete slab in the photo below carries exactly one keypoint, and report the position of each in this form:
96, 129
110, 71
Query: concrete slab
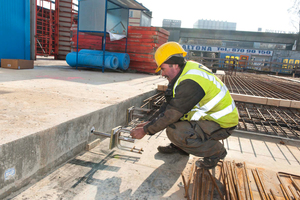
261, 151
46, 115
52, 93
116, 174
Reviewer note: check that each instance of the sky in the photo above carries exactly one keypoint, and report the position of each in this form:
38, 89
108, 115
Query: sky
248, 15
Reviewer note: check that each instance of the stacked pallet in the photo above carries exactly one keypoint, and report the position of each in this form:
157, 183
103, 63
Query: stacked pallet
142, 42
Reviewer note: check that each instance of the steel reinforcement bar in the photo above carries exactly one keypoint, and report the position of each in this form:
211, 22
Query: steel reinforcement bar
262, 85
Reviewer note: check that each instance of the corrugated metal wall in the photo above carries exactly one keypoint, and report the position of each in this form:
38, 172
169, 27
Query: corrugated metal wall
15, 29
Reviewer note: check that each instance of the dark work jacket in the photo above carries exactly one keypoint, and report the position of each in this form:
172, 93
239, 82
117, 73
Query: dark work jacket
187, 94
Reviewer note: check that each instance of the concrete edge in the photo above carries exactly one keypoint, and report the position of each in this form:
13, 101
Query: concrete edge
32, 157
248, 134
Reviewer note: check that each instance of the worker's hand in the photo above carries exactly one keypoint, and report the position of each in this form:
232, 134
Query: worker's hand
137, 133
142, 124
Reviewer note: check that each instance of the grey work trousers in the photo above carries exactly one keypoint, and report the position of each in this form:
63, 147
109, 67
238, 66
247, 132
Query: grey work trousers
199, 138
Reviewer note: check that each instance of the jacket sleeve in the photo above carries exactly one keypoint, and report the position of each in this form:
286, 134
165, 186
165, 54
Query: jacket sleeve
157, 112
187, 94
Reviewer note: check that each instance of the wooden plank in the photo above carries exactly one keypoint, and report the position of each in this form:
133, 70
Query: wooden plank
265, 100
162, 87
92, 144
249, 98
273, 102
295, 104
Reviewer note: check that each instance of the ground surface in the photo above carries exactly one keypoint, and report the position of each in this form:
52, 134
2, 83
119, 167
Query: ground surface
116, 174
52, 93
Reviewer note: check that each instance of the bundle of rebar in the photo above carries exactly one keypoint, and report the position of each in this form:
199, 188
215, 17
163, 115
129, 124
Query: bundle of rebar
233, 182
204, 184
155, 101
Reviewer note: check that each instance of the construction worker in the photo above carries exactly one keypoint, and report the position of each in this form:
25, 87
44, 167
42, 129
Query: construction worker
198, 111
235, 65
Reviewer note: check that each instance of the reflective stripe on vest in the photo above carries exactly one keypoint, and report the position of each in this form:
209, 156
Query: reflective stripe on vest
201, 111
224, 112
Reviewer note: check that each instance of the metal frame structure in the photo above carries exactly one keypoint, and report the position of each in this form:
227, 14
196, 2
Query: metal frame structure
46, 26
117, 134
117, 3
53, 22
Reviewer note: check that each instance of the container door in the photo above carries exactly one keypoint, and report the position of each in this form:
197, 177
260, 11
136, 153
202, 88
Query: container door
285, 61
243, 60
231, 59
227, 59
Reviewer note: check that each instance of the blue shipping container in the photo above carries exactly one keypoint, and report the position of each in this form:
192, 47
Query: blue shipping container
15, 29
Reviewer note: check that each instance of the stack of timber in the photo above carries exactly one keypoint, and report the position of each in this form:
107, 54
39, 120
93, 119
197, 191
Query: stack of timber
142, 42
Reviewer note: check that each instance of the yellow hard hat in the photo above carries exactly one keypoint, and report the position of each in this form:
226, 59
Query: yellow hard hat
165, 51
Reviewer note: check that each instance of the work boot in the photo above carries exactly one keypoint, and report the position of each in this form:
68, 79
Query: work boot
170, 149
210, 162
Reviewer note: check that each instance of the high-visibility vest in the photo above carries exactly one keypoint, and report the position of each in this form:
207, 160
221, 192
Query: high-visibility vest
217, 104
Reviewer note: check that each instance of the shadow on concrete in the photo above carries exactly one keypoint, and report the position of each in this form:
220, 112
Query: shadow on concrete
4, 92
88, 177
162, 179
155, 186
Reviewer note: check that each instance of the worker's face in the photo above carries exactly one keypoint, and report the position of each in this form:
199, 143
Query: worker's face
169, 71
